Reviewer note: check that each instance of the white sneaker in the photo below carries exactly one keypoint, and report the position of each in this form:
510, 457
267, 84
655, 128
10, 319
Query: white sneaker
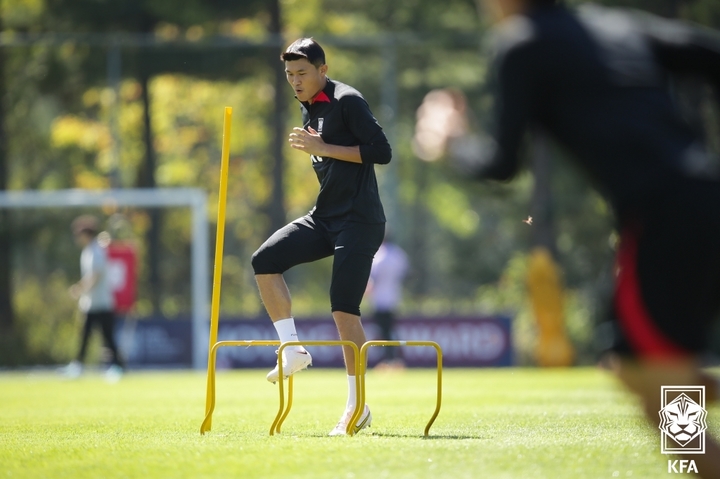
114, 374
72, 370
294, 360
364, 421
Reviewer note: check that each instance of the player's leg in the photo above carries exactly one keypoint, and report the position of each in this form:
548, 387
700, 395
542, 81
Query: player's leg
355, 248
395, 353
75, 368
88, 325
275, 295
665, 301
350, 328
645, 379
117, 366
107, 326
301, 241
384, 321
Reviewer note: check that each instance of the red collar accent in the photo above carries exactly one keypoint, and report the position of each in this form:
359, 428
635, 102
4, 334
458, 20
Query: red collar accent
321, 97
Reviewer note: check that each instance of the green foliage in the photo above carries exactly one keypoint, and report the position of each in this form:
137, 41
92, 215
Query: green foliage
466, 241
49, 321
141, 15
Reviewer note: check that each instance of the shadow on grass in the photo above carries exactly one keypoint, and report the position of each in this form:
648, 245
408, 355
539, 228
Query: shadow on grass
407, 436
427, 438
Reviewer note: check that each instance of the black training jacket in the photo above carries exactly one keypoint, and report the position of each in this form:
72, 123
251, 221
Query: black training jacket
596, 81
348, 191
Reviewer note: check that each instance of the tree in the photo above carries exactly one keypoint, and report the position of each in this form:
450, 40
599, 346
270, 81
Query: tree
144, 17
276, 208
6, 311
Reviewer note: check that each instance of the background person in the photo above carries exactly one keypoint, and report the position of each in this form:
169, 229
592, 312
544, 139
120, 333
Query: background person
596, 81
94, 295
389, 269
344, 142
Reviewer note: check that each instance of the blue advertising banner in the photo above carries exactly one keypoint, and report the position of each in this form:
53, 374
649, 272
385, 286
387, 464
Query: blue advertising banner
483, 341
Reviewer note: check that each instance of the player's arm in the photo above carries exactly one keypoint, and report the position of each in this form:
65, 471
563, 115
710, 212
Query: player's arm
312, 143
373, 146
683, 48
498, 157
86, 284
89, 281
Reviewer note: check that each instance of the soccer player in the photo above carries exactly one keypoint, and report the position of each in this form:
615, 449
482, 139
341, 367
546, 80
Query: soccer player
344, 142
595, 80
95, 297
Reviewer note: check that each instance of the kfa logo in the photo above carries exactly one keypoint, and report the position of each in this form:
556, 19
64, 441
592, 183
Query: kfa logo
320, 124
682, 424
682, 466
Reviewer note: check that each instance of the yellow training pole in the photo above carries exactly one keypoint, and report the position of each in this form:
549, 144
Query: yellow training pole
217, 276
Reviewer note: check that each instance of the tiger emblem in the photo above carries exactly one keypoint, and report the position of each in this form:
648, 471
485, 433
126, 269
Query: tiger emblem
683, 419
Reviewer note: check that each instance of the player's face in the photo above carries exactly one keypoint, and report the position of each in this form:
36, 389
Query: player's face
83, 239
305, 78
500, 9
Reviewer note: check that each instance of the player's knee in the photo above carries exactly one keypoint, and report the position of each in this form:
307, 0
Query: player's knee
346, 308
261, 262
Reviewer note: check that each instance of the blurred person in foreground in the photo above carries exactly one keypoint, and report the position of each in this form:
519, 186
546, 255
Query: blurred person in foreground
94, 295
385, 290
596, 80
344, 142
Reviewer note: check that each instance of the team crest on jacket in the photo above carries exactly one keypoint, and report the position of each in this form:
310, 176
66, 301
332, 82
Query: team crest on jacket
320, 124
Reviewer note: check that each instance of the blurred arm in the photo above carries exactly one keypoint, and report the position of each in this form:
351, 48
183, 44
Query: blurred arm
682, 48
499, 158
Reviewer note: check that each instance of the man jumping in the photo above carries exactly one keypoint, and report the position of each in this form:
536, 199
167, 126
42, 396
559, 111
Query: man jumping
344, 142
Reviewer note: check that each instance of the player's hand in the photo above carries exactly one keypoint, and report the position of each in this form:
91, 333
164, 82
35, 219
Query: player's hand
308, 141
75, 291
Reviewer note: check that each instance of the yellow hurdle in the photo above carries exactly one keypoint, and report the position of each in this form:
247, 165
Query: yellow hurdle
363, 364
212, 357
360, 358
358, 382
283, 411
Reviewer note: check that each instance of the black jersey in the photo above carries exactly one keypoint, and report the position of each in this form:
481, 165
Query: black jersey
596, 81
348, 191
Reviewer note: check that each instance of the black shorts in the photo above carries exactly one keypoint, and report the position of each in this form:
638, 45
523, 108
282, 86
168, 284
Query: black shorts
667, 293
353, 246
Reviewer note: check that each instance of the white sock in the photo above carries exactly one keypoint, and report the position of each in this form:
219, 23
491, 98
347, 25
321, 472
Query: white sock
351, 393
286, 331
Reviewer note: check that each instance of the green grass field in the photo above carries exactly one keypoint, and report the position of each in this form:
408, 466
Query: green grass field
503, 423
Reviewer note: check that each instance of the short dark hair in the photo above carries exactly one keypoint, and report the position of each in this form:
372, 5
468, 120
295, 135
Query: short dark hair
306, 48
87, 224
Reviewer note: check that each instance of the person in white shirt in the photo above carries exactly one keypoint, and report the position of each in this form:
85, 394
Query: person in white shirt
94, 295
389, 269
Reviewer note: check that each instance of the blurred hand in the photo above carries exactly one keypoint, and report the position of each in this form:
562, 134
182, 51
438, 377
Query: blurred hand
308, 141
75, 291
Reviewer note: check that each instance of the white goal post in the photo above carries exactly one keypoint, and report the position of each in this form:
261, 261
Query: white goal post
194, 198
